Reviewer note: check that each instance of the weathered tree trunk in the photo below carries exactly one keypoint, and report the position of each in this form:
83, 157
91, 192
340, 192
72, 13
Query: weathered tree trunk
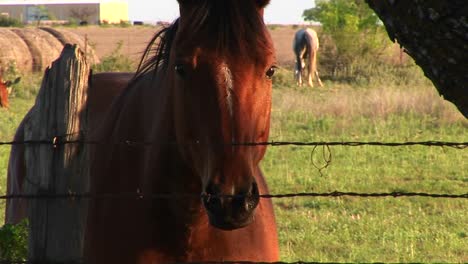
56, 225
435, 34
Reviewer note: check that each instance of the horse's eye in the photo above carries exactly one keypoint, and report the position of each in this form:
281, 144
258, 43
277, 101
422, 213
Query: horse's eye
180, 70
271, 72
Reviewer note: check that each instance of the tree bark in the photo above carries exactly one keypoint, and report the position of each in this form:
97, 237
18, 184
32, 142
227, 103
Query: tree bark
435, 34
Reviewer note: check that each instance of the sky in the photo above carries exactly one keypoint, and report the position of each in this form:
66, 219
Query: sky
278, 12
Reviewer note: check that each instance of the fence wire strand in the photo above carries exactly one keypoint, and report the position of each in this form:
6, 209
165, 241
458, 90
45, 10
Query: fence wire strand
204, 262
142, 196
56, 141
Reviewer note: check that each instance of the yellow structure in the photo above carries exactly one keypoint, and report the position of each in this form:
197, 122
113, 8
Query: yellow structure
113, 12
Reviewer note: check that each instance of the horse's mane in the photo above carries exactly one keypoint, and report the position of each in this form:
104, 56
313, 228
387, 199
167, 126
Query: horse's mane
229, 25
157, 52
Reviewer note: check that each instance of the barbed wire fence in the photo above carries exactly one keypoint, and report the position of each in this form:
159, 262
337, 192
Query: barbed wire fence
58, 141
327, 156
55, 142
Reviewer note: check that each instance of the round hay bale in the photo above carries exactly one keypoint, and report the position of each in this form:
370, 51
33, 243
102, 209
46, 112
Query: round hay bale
44, 47
68, 37
14, 50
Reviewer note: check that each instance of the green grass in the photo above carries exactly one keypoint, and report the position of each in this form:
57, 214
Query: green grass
368, 229
9, 120
21, 100
354, 229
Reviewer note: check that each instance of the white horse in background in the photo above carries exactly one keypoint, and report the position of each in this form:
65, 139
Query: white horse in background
305, 48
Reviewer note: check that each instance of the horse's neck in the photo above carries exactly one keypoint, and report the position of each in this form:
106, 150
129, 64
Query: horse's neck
165, 169
169, 174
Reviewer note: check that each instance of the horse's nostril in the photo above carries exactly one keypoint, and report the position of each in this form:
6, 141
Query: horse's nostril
212, 199
230, 210
214, 204
254, 189
253, 198
238, 203
211, 189
246, 201
250, 205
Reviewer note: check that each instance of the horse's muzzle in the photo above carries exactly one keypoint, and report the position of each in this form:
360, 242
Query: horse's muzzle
232, 211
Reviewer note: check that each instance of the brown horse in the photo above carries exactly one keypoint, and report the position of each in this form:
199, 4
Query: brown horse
204, 85
305, 46
5, 91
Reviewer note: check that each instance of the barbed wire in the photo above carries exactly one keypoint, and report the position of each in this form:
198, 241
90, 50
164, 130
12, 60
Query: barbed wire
38, 262
279, 262
142, 196
198, 262
57, 141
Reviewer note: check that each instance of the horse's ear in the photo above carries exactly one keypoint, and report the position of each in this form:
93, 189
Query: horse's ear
184, 5
262, 3
17, 80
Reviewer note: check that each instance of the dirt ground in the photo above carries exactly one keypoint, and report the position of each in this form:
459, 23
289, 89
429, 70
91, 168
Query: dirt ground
105, 41
134, 40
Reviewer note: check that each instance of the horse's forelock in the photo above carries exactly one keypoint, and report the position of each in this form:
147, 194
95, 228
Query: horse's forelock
232, 26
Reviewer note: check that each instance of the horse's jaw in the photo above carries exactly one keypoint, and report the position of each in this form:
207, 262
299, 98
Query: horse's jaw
229, 221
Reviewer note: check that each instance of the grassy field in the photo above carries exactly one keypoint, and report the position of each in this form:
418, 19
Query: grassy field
21, 100
354, 229
368, 229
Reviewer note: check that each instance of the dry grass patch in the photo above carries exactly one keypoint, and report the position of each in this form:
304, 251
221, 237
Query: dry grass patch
349, 103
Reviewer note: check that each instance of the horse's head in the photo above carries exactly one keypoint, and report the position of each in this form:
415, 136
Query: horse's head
221, 63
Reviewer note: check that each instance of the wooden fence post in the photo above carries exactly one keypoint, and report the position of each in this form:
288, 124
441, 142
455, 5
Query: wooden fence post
56, 226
